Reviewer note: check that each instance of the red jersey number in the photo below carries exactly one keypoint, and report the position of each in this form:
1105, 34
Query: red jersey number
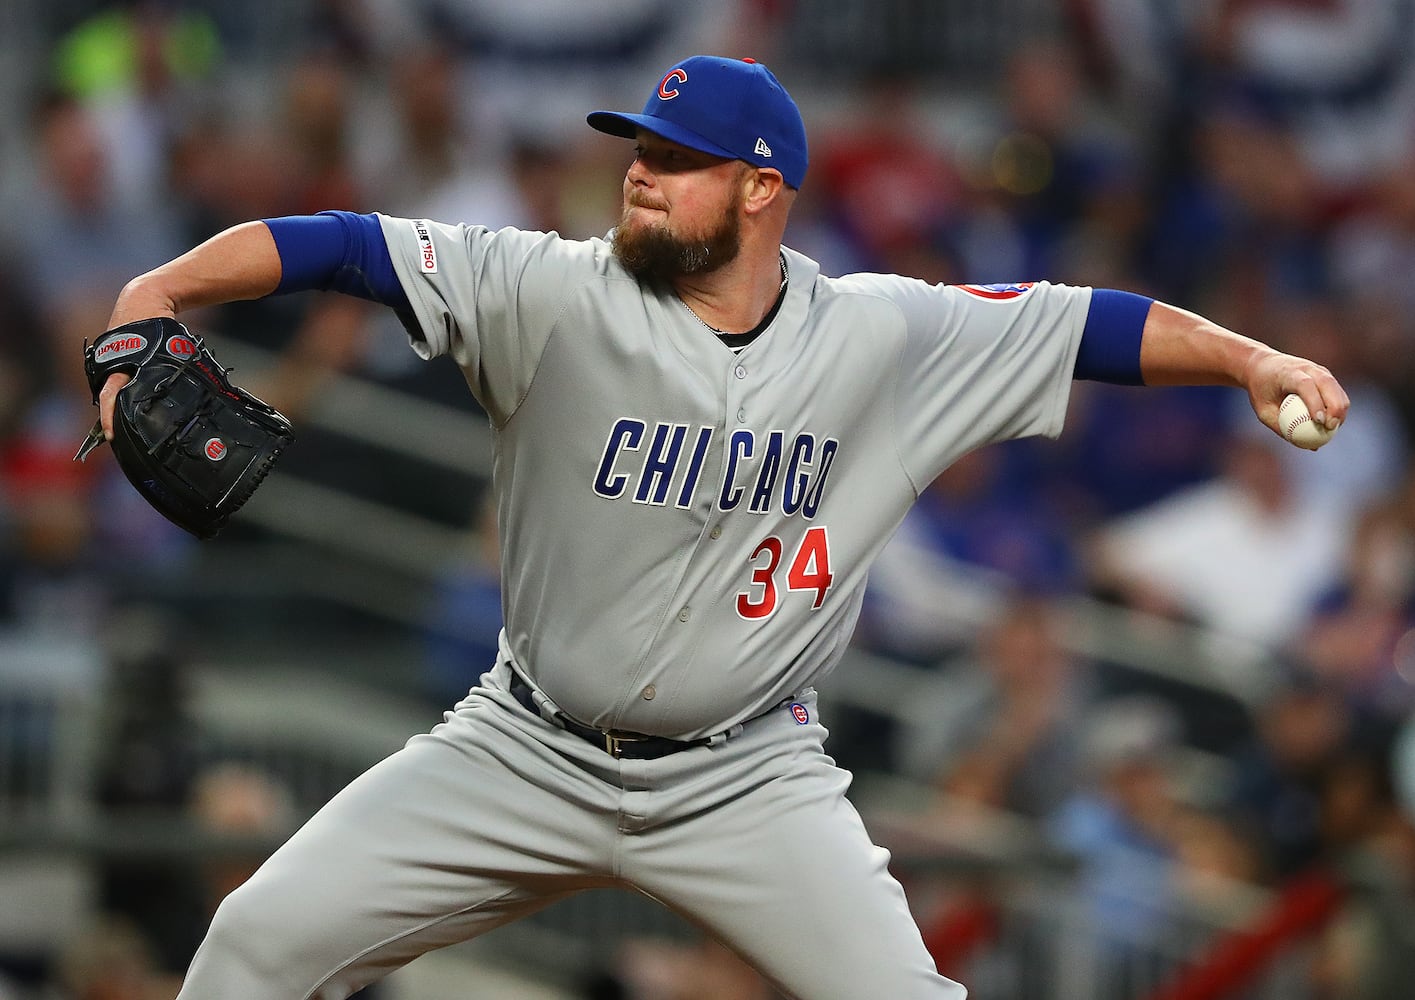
809, 571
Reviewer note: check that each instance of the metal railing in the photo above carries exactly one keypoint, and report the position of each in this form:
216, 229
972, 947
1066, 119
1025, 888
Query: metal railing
50, 691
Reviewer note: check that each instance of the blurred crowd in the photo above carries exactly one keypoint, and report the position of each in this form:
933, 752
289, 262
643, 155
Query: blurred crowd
1253, 160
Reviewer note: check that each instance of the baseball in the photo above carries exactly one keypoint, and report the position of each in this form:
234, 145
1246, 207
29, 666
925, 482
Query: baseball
1299, 427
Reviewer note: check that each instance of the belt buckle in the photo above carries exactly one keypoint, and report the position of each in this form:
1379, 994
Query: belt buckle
614, 743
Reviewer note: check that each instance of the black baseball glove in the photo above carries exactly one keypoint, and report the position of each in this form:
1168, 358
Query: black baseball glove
194, 445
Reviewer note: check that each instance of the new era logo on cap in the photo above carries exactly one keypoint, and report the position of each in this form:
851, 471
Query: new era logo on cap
733, 108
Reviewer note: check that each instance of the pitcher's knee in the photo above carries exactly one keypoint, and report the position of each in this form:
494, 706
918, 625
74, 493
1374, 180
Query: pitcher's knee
244, 938
256, 947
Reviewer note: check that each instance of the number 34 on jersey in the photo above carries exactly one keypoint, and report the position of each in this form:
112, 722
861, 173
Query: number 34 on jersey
807, 570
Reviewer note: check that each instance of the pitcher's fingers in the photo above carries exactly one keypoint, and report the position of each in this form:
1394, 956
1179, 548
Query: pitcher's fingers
1334, 400
1323, 395
106, 397
1330, 405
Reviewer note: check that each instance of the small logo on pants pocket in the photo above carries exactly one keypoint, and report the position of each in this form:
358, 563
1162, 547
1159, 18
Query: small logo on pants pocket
799, 713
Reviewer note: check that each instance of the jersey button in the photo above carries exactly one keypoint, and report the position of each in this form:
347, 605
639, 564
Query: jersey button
740, 371
649, 692
683, 615
716, 531
741, 416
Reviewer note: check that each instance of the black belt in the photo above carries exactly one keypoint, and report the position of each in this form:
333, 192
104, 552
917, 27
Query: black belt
615, 742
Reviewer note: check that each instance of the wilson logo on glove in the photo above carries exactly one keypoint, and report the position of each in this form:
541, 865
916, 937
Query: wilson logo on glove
119, 347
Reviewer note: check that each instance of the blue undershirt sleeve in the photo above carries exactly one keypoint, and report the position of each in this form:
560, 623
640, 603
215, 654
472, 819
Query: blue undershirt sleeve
337, 252
1110, 342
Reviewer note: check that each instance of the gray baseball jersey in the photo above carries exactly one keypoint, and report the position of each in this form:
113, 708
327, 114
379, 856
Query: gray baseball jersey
686, 531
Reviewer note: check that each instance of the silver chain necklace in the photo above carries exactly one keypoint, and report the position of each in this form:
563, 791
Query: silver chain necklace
781, 288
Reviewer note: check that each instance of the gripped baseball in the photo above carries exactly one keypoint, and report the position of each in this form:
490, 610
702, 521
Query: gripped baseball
1299, 427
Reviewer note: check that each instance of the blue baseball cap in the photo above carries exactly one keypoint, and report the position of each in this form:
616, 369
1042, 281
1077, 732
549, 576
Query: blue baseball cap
733, 108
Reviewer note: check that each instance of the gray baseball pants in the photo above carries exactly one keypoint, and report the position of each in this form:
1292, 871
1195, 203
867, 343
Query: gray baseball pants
497, 813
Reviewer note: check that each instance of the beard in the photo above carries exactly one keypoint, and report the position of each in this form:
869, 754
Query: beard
653, 251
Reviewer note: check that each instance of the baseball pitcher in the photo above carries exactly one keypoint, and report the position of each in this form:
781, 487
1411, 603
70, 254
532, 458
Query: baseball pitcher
701, 442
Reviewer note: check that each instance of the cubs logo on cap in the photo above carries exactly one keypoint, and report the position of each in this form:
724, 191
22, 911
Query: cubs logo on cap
666, 89
733, 108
